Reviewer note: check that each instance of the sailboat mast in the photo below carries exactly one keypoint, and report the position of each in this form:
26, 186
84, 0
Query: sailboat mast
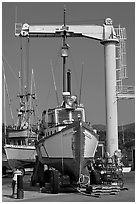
27, 81
27, 68
21, 70
5, 107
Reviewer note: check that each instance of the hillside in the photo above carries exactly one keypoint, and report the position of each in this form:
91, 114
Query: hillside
125, 133
126, 128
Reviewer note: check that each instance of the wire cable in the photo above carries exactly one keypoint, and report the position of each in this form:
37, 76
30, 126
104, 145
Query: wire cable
4, 59
51, 78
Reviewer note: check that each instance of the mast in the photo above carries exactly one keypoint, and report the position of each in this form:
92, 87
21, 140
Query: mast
27, 82
21, 89
5, 107
21, 71
64, 53
69, 81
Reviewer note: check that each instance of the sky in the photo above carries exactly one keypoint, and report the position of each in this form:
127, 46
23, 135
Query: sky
84, 51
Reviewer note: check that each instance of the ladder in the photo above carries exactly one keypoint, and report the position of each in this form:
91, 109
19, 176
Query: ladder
122, 91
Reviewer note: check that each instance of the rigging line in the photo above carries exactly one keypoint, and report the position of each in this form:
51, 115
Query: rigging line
6, 86
50, 159
6, 89
33, 109
54, 82
81, 83
31, 101
54, 70
30, 104
10, 67
35, 93
34, 88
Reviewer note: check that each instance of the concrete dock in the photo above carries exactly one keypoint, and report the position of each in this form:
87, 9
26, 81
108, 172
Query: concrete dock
32, 194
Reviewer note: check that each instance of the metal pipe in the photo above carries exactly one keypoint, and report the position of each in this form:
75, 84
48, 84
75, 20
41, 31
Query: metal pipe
69, 81
64, 74
110, 92
27, 67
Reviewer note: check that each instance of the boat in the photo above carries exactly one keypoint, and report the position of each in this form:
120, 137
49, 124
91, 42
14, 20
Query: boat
20, 142
20, 149
67, 142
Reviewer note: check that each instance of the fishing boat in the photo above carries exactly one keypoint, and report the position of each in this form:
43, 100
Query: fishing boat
67, 142
20, 149
20, 146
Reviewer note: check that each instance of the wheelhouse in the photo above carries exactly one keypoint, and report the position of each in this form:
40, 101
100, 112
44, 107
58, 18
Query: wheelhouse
61, 116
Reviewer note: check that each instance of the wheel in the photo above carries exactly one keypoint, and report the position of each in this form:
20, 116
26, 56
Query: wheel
54, 182
23, 171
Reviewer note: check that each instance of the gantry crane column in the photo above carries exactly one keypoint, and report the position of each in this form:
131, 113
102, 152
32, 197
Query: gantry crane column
106, 35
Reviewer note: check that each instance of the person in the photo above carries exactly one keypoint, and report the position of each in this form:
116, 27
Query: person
16, 172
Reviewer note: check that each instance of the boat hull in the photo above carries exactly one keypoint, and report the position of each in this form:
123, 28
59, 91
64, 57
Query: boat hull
20, 156
69, 150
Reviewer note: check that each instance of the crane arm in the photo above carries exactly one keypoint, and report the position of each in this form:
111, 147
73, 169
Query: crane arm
97, 32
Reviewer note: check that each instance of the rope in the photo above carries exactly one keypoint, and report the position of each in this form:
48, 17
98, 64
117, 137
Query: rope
84, 180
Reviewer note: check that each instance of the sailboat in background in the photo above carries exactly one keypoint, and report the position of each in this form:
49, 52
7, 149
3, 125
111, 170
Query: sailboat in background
20, 149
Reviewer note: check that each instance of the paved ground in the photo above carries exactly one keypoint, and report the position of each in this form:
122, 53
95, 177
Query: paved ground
32, 194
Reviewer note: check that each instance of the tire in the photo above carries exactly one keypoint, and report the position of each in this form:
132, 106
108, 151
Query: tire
54, 182
23, 171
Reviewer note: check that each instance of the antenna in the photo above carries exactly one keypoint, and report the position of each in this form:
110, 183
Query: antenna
64, 15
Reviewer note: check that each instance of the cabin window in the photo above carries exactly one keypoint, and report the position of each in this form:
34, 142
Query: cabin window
14, 142
19, 142
63, 115
23, 142
76, 115
51, 118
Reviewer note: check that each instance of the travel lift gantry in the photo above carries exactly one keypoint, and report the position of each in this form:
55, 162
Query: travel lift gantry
113, 40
